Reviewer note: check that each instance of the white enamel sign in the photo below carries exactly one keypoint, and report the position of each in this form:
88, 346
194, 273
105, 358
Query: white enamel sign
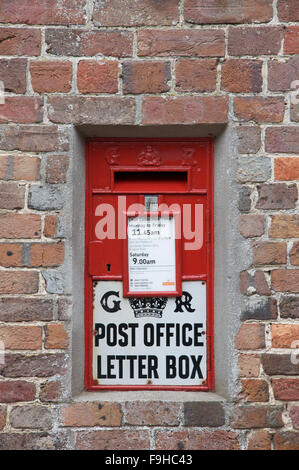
153, 340
151, 254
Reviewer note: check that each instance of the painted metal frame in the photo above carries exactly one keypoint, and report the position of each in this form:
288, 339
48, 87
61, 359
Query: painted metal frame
207, 277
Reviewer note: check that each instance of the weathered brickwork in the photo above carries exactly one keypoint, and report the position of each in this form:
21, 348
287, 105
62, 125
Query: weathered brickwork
140, 62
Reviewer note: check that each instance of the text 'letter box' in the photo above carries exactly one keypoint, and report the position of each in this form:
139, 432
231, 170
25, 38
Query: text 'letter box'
149, 264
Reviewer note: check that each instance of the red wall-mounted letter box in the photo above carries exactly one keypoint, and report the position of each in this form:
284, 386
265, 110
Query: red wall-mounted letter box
149, 264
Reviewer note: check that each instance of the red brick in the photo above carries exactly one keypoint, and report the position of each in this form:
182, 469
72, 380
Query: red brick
269, 253
238, 11
21, 337
42, 11
25, 168
22, 309
255, 283
51, 391
285, 280
56, 168
251, 225
202, 414
34, 365
51, 224
242, 76
291, 40
139, 413
86, 110
20, 41
16, 390
13, 75
197, 75
118, 439
286, 389
277, 196
286, 440
288, 10
286, 168
10, 254
31, 417
2, 417
18, 282
3, 166
34, 138
250, 336
12, 196
259, 440
136, 13
249, 139
97, 76
258, 308
20, 225
289, 306
174, 42
146, 77
249, 365
284, 226
284, 335
47, 254
282, 74
15, 167
257, 416
254, 41
190, 439
279, 364
51, 76
56, 336
25, 109
74, 42
294, 415
185, 110
91, 414
255, 390
294, 254
259, 109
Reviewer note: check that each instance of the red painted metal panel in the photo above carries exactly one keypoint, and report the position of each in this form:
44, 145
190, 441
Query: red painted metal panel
181, 173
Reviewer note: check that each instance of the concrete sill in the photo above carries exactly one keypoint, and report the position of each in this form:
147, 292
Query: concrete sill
144, 395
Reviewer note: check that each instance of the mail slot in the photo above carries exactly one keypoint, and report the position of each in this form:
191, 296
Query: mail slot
149, 264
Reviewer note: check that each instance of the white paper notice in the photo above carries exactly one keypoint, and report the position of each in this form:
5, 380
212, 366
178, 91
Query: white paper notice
151, 254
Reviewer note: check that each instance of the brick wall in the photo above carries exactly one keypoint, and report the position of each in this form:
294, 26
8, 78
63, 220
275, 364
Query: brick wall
129, 62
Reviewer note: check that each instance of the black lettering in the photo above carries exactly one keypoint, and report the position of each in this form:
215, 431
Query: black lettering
116, 303
110, 367
133, 327
141, 367
121, 332
169, 333
100, 374
148, 334
196, 367
185, 341
184, 300
100, 329
160, 333
152, 367
183, 367
170, 367
132, 359
111, 334
120, 365
197, 334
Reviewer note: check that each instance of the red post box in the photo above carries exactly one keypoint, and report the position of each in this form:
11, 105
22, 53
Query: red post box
149, 264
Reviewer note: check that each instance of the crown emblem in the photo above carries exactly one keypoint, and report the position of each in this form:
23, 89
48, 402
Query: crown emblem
148, 306
149, 157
